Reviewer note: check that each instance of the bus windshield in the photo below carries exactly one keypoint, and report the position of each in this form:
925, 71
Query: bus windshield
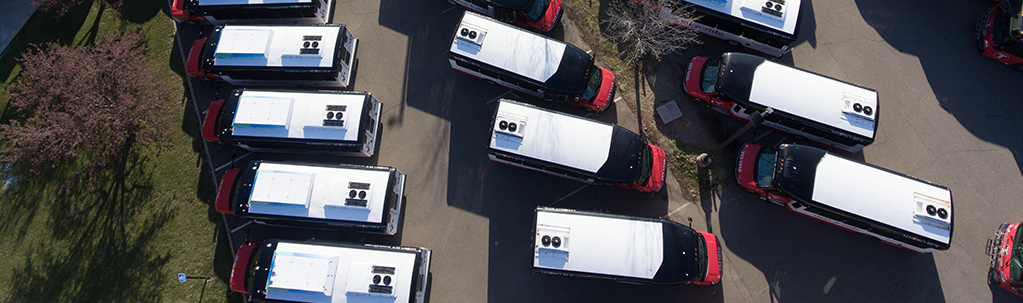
253, 268
764, 171
536, 11
592, 85
1016, 263
709, 77
701, 256
646, 165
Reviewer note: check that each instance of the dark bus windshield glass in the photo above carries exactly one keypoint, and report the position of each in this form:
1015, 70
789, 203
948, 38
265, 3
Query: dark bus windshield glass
1016, 263
764, 171
646, 165
701, 256
536, 11
709, 77
592, 85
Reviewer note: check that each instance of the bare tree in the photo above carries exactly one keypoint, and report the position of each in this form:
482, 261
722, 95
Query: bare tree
95, 103
649, 27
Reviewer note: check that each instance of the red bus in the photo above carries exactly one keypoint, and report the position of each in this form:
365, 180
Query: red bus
535, 15
251, 11
897, 209
320, 56
341, 123
533, 64
1000, 34
319, 271
1006, 252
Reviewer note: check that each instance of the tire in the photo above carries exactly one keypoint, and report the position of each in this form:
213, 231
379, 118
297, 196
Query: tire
733, 42
1018, 67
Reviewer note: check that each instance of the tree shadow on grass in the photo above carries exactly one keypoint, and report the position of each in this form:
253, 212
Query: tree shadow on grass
101, 246
44, 27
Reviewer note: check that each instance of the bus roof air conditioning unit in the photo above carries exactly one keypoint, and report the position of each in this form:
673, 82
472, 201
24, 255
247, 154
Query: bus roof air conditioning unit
511, 125
774, 9
552, 241
335, 116
471, 33
356, 197
308, 47
375, 280
932, 211
859, 106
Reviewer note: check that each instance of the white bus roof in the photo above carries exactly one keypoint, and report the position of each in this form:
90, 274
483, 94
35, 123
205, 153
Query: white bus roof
510, 48
753, 11
554, 137
879, 195
599, 245
298, 115
319, 192
250, 2
322, 273
276, 46
812, 96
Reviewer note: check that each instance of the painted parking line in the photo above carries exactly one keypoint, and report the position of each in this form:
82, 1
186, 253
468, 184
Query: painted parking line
232, 161
499, 97
569, 195
448, 10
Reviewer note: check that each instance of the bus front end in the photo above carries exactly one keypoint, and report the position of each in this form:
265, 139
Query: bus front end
240, 268
999, 35
745, 165
209, 123
714, 265
223, 202
605, 94
551, 15
1006, 252
653, 175
700, 79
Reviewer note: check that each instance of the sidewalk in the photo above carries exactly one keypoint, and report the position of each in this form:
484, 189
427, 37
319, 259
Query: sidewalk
13, 15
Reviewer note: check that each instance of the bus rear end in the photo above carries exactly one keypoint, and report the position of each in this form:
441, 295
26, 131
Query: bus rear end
1006, 252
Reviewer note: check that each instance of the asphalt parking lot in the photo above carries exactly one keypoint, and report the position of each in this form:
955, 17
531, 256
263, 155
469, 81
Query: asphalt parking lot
946, 117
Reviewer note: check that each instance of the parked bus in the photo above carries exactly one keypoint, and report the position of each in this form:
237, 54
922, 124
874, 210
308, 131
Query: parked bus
329, 122
349, 197
897, 209
628, 249
574, 148
533, 64
252, 11
535, 15
828, 111
764, 26
272, 55
1000, 34
316, 271
1006, 252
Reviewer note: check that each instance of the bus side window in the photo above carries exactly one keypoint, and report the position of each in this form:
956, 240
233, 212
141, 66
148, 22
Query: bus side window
510, 79
561, 98
467, 65
842, 140
776, 44
813, 131
791, 123
489, 73
481, 3
529, 86
773, 118
735, 30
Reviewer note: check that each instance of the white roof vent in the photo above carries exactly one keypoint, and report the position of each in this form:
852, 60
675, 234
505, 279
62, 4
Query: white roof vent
375, 280
309, 47
509, 124
471, 33
859, 106
552, 241
774, 9
932, 211
243, 43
